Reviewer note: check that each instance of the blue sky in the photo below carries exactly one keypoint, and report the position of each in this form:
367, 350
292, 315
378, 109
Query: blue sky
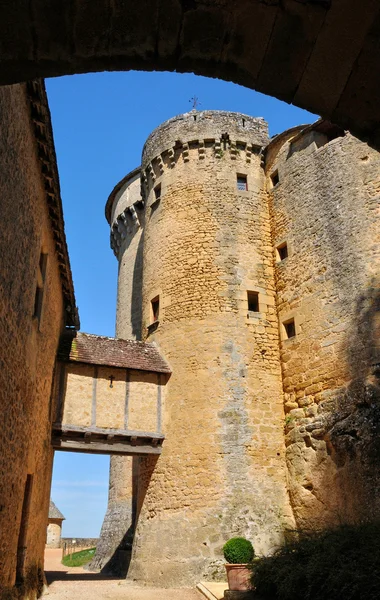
100, 124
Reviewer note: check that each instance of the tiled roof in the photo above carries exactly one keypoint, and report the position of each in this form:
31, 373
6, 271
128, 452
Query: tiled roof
112, 352
54, 513
43, 132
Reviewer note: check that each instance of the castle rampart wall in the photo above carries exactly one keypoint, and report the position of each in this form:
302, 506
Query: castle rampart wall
324, 197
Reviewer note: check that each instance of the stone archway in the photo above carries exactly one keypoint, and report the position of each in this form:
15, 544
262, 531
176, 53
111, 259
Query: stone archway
321, 55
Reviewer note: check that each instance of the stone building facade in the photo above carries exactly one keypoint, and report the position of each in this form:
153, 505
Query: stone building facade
253, 265
36, 305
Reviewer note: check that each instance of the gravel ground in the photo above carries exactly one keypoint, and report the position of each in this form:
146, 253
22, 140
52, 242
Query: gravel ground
74, 583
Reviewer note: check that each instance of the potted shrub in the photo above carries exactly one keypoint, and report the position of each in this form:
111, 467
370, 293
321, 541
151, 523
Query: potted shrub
238, 553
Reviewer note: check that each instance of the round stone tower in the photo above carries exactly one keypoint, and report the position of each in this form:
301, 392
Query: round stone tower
196, 277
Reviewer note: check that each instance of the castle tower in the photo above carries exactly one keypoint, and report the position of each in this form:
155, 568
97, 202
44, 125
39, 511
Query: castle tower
206, 297
124, 212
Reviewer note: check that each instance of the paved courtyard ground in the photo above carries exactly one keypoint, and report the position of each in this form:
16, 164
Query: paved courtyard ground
74, 583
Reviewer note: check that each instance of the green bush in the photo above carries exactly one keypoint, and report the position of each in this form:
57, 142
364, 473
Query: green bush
238, 551
338, 563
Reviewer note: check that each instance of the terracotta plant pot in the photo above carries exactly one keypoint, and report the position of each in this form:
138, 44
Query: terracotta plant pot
238, 577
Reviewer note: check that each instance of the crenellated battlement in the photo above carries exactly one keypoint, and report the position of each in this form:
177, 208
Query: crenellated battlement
125, 225
223, 147
204, 125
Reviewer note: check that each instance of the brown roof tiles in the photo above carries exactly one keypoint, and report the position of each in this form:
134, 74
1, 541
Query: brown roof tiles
112, 352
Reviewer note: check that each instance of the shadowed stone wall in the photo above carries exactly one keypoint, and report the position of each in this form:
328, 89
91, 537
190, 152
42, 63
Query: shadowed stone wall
325, 207
28, 348
116, 534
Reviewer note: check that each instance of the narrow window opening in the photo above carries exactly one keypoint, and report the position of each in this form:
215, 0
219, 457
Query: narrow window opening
290, 328
43, 264
243, 121
38, 301
195, 117
242, 184
155, 309
157, 193
253, 301
282, 251
275, 179
22, 536
39, 295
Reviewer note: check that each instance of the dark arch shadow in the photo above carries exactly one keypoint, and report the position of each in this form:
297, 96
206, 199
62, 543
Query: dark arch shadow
353, 427
295, 51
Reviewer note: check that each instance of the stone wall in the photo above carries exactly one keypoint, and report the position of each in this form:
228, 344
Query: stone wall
53, 535
324, 208
28, 349
80, 542
126, 217
116, 534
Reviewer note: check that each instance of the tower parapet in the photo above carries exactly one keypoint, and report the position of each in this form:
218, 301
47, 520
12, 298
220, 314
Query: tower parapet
217, 133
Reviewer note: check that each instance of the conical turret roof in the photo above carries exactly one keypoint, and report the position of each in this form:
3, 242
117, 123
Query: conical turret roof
54, 513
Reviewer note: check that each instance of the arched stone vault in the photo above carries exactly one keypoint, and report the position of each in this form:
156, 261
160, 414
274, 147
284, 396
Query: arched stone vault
322, 55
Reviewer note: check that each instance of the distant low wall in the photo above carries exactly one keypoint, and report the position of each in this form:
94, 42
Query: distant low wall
79, 542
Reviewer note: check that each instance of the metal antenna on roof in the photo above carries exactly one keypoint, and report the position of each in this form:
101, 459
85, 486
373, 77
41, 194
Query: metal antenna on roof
195, 101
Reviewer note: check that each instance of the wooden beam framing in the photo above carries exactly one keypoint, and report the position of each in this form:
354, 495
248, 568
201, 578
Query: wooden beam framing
95, 440
103, 448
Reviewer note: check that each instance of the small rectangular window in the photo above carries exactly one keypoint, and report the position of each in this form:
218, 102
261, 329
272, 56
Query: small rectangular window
155, 309
282, 251
157, 193
275, 179
253, 301
290, 329
242, 184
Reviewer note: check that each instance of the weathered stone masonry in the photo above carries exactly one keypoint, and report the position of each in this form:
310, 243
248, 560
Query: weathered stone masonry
302, 239
33, 254
326, 208
205, 244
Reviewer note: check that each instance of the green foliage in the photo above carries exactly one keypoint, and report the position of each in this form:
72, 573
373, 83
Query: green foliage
338, 563
77, 559
289, 419
238, 551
